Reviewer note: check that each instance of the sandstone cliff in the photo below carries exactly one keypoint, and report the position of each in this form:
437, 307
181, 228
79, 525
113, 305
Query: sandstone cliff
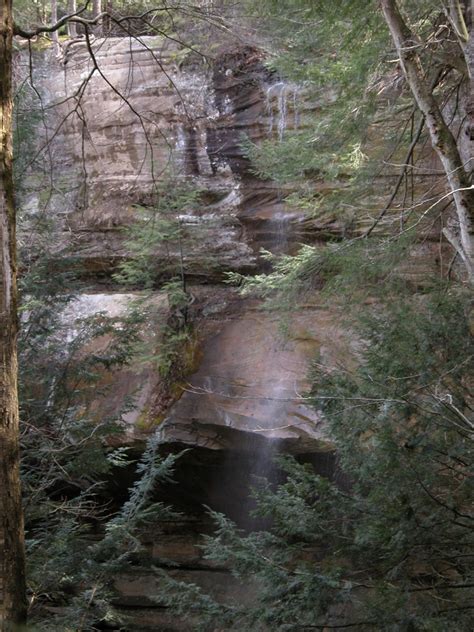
141, 111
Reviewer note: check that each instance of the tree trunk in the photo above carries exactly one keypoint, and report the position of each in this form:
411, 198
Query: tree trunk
454, 12
71, 26
54, 35
442, 139
12, 557
97, 10
470, 63
107, 25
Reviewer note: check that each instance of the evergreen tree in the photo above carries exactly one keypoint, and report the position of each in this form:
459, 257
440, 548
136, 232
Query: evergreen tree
361, 97
388, 545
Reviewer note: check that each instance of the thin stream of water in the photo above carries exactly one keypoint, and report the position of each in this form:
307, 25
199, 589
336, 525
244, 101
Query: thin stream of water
282, 111
278, 96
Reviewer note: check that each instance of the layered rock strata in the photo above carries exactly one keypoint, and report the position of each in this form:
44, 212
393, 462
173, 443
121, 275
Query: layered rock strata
138, 113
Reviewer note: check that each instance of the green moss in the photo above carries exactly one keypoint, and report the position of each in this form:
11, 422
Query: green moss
173, 385
143, 421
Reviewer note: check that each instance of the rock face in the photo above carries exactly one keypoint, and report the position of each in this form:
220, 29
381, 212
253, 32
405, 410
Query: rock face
137, 114
145, 114
251, 378
121, 123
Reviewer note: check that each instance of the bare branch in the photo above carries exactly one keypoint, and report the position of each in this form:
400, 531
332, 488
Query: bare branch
442, 139
401, 177
17, 30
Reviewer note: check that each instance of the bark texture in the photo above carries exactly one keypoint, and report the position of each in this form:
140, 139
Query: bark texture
442, 139
71, 26
96, 11
54, 34
12, 562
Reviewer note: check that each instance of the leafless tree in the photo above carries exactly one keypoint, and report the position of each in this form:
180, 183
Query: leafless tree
96, 11
71, 26
54, 34
442, 139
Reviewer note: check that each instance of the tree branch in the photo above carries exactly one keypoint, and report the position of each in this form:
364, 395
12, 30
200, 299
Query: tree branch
456, 18
17, 30
400, 179
442, 139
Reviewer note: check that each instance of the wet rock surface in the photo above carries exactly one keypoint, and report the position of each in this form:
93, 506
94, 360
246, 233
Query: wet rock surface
245, 398
188, 119
172, 118
251, 378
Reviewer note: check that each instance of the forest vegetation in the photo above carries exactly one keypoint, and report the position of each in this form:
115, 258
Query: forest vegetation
380, 168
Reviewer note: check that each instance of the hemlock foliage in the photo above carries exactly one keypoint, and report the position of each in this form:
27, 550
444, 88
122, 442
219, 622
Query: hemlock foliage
73, 565
77, 539
388, 544
157, 245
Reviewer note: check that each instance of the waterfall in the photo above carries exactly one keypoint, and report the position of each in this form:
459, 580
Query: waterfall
283, 113
180, 147
283, 415
280, 229
278, 97
264, 467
